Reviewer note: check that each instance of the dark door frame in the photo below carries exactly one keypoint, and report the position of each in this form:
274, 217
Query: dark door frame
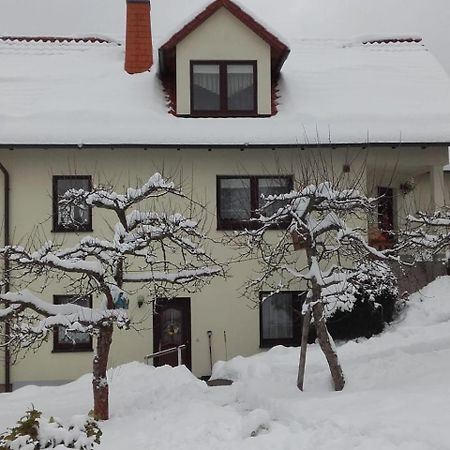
184, 304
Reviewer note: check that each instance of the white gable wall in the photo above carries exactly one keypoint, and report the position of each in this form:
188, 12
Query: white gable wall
223, 37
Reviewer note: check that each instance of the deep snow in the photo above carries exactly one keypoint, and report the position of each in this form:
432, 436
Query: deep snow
396, 396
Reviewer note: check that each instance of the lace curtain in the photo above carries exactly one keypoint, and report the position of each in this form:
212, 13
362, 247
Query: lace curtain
277, 320
239, 85
206, 85
235, 199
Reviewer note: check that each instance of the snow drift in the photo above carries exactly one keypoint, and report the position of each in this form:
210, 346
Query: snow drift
396, 395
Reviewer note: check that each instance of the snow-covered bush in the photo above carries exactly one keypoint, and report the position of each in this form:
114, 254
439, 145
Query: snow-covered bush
377, 284
372, 301
33, 432
376, 296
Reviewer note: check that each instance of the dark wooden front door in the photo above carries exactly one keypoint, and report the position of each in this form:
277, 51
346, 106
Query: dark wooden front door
386, 209
171, 328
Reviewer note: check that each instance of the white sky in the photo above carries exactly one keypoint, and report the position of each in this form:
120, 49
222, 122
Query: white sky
309, 18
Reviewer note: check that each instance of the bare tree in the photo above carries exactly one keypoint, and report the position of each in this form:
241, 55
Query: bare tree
317, 218
161, 251
429, 232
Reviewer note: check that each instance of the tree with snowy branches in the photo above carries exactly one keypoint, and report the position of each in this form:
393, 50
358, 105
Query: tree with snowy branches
161, 251
317, 218
428, 232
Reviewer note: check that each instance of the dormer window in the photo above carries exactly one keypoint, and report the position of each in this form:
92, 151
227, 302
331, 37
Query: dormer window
223, 88
222, 63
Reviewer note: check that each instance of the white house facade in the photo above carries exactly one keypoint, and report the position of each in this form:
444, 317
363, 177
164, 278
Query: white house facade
229, 109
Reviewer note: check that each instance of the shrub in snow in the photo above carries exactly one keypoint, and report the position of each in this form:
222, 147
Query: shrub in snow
32, 432
375, 299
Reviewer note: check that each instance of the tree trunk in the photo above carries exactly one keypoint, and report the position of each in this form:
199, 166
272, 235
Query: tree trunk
99, 381
302, 363
327, 346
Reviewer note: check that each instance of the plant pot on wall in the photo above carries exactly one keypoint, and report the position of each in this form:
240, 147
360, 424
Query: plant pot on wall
379, 239
408, 186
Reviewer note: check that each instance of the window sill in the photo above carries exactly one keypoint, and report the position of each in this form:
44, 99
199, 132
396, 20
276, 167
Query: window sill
71, 230
75, 350
248, 226
223, 116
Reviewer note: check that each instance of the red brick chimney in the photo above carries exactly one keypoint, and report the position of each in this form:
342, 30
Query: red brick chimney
138, 45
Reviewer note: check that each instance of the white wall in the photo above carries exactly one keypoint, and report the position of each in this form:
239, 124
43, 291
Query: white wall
219, 307
223, 37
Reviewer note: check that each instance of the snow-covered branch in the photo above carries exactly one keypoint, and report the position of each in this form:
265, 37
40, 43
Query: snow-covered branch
317, 216
62, 315
155, 187
429, 233
179, 277
47, 257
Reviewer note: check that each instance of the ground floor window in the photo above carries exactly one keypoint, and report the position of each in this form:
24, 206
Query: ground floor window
64, 341
280, 318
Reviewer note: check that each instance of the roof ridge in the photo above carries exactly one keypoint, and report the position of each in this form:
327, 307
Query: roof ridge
394, 40
58, 39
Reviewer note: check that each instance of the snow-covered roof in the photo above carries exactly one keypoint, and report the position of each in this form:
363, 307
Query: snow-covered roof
336, 90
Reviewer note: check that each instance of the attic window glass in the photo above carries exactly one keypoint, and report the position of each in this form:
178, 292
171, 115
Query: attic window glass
223, 88
70, 217
206, 87
241, 88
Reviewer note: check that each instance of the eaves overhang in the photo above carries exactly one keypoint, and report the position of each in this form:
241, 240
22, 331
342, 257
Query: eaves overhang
242, 146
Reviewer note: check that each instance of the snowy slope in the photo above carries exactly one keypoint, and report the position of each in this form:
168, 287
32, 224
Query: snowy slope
338, 90
333, 88
396, 396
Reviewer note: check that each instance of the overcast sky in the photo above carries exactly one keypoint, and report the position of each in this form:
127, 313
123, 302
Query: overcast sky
308, 18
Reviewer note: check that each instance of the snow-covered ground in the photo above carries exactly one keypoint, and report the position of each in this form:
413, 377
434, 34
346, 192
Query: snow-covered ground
397, 396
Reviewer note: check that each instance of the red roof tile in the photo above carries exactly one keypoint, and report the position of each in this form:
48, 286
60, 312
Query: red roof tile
416, 40
57, 39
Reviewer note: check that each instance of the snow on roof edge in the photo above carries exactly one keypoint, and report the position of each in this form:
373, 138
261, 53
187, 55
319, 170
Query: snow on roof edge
236, 144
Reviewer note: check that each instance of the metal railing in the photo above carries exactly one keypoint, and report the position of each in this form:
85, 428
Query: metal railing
168, 351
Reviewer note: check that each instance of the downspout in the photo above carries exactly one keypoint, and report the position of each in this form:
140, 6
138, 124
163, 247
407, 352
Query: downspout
6, 238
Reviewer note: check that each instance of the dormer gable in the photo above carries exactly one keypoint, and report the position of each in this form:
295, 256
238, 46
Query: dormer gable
223, 63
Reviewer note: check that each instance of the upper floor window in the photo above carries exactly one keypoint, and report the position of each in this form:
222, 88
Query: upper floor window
223, 88
71, 341
70, 217
239, 197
